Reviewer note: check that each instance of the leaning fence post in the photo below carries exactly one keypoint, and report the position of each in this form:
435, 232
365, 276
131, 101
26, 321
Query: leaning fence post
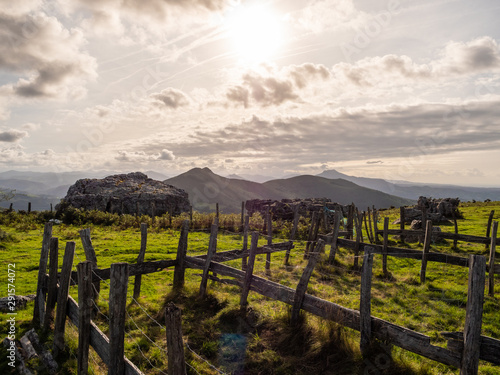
175, 345
425, 252
41, 289
117, 304
245, 242
180, 268
90, 256
247, 281
62, 297
490, 220
140, 259
491, 273
385, 245
212, 247
52, 287
304, 280
84, 314
473, 315
365, 301
269, 238
333, 246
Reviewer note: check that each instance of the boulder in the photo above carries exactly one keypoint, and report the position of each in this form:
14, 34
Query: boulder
132, 193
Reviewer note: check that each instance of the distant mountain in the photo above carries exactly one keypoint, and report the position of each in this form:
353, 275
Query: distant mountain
235, 176
156, 175
338, 190
206, 188
412, 190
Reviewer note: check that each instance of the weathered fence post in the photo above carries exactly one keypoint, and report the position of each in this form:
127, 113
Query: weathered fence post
29, 207
490, 220
473, 315
491, 273
245, 242
212, 248
359, 236
191, 215
365, 301
91, 256
249, 272
454, 217
402, 223
140, 259
117, 304
304, 280
175, 345
217, 210
373, 239
84, 314
180, 268
385, 245
313, 233
427, 245
375, 224
333, 246
269, 238
296, 217
52, 286
365, 214
62, 297
41, 289
242, 215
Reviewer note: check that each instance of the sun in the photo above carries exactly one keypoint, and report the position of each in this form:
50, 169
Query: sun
255, 33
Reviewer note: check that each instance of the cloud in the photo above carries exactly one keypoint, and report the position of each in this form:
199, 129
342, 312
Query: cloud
47, 55
166, 155
375, 162
170, 98
30, 126
272, 87
12, 135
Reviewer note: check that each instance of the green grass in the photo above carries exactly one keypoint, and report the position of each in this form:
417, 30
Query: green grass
261, 341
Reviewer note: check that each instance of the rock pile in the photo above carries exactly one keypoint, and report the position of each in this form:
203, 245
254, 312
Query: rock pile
284, 209
132, 193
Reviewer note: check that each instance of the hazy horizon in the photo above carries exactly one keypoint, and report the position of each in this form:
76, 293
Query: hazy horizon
391, 89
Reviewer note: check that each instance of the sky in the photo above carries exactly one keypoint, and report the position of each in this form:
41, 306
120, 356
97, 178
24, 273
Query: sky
394, 89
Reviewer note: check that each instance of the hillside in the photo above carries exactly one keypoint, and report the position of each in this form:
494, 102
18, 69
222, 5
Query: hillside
206, 188
338, 190
412, 190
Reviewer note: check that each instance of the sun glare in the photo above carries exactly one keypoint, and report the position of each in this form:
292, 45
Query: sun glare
255, 33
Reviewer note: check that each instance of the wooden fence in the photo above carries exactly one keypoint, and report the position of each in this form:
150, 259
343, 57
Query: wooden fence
464, 349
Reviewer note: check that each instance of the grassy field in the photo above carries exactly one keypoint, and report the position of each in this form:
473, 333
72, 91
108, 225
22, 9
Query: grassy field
219, 338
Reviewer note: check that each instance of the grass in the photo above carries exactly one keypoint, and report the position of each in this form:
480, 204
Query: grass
261, 341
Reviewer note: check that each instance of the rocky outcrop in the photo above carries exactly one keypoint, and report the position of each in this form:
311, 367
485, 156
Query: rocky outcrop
284, 209
436, 210
132, 193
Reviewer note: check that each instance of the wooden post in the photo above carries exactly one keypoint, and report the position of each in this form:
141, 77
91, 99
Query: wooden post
311, 233
488, 226
175, 345
402, 223
296, 217
190, 215
52, 287
365, 214
249, 272
11, 207
325, 219
245, 242
212, 248
41, 289
217, 210
304, 280
375, 224
385, 245
333, 247
62, 297
51, 208
424, 214
427, 245
373, 239
269, 238
140, 259
359, 236
117, 304
491, 274
473, 315
29, 207
90, 256
180, 268
242, 215
84, 314
365, 301
350, 221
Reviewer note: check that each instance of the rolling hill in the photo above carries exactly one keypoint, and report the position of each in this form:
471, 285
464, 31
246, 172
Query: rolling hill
206, 188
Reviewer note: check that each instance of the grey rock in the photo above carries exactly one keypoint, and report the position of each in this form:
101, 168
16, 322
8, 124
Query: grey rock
132, 193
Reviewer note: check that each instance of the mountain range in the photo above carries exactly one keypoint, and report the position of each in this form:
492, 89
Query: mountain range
206, 188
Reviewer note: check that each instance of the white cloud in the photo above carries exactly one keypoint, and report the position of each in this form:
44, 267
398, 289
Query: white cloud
166, 155
170, 98
47, 56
